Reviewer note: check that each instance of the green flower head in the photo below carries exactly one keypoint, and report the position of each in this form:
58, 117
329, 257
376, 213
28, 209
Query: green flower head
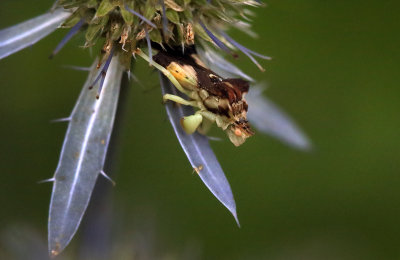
133, 24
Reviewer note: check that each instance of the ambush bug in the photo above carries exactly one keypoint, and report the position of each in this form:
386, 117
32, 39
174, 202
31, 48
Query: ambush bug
218, 100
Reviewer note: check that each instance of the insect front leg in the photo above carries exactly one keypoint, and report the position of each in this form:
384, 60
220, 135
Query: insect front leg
179, 100
188, 123
164, 71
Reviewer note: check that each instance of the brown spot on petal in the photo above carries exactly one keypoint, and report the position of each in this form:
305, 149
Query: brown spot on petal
198, 169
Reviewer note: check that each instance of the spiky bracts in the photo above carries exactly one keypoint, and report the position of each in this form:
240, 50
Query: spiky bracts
132, 23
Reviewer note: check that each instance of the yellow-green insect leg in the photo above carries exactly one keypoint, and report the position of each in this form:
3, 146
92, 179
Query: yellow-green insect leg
179, 100
164, 71
191, 123
222, 122
205, 126
209, 115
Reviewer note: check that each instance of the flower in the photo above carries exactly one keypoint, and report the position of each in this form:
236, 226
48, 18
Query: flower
166, 27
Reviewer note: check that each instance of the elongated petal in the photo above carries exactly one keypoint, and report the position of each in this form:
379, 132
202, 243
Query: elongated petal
212, 58
25, 34
199, 152
82, 156
269, 119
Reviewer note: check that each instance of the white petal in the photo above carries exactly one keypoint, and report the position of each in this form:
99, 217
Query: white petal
199, 152
27, 33
82, 156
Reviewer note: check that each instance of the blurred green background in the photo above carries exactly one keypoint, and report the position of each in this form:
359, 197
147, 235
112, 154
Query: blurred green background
335, 70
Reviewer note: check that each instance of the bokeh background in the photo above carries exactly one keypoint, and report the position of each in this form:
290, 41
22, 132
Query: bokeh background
335, 70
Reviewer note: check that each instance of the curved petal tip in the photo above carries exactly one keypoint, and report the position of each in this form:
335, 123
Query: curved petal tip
234, 214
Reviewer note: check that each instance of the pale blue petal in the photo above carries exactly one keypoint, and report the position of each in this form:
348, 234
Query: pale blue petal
25, 34
199, 152
265, 116
82, 156
213, 59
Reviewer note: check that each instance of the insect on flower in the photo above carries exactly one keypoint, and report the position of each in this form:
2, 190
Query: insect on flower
219, 100
181, 33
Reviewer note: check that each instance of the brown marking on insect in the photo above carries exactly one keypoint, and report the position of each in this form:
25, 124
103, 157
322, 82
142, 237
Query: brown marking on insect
103, 141
223, 97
